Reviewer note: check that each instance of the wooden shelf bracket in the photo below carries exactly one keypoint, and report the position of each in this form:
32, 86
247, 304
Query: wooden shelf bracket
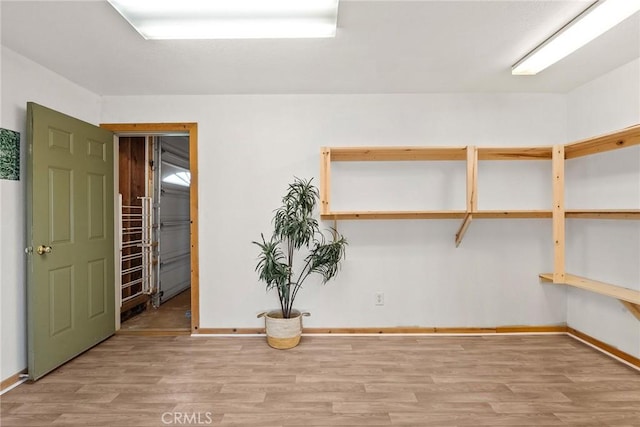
633, 308
463, 228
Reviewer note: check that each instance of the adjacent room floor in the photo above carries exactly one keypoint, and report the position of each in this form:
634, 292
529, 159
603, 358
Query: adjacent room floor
174, 314
330, 381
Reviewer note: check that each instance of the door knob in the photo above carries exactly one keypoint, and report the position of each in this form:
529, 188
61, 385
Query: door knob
43, 249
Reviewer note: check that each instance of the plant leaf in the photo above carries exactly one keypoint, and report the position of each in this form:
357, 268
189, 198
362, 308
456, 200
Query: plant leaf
271, 267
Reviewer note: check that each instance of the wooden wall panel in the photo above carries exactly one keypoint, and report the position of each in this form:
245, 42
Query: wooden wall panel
132, 184
132, 169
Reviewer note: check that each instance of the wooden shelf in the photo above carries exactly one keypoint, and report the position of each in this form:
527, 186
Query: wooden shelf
395, 154
600, 144
483, 214
556, 154
618, 292
514, 153
344, 215
603, 213
511, 214
455, 214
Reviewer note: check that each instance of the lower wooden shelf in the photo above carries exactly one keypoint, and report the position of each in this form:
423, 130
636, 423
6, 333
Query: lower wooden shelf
618, 292
603, 213
484, 214
515, 214
488, 214
346, 215
569, 213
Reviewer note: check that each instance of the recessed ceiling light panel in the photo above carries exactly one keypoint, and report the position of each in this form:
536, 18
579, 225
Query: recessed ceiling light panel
230, 19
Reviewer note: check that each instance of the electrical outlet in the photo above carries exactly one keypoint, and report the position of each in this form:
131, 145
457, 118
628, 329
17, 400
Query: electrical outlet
379, 298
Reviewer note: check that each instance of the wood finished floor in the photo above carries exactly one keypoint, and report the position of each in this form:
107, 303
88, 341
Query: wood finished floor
170, 315
500, 380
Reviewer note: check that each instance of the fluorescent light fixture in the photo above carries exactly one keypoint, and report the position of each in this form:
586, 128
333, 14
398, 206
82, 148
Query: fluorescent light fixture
598, 18
230, 19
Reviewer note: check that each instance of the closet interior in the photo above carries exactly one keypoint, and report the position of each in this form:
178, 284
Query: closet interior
154, 231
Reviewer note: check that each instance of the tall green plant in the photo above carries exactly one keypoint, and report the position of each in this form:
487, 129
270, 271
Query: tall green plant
295, 230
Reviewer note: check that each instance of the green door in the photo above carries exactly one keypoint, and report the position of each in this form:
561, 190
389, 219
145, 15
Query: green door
70, 267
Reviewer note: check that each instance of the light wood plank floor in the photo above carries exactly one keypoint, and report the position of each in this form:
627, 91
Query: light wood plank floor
170, 315
499, 380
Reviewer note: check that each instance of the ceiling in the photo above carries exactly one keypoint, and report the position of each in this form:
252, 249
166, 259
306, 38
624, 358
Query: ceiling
395, 46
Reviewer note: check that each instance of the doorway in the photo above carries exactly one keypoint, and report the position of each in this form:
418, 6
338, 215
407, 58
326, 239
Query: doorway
159, 269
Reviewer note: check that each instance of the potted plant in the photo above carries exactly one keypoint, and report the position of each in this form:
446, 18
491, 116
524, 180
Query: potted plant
296, 238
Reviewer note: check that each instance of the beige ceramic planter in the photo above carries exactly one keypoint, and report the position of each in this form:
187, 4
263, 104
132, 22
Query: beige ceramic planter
283, 333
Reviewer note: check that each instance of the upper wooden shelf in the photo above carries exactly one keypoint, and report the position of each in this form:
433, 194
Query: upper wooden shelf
393, 154
611, 141
514, 153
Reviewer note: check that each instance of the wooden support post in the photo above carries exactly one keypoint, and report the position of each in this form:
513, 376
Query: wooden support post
558, 215
325, 180
633, 308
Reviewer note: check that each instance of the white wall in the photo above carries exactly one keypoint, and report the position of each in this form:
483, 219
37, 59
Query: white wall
22, 81
251, 146
608, 251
